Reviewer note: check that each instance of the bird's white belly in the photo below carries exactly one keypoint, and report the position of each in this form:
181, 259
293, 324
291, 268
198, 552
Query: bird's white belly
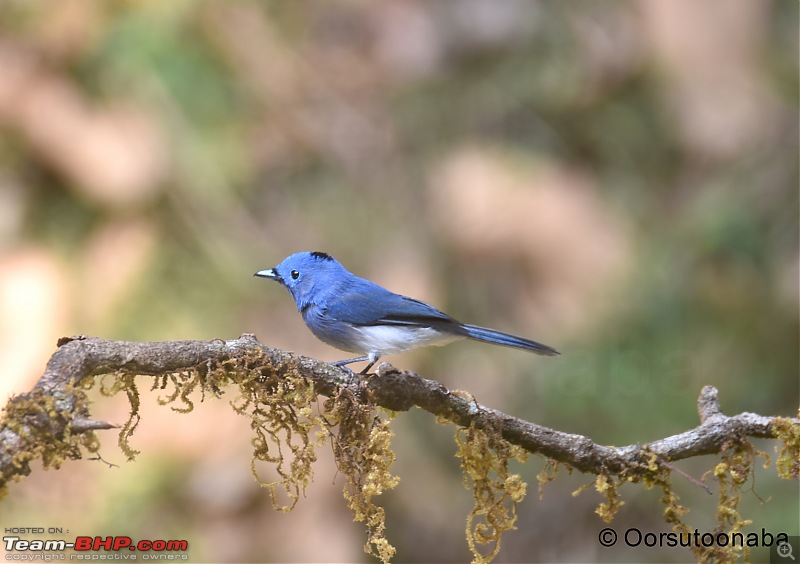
390, 339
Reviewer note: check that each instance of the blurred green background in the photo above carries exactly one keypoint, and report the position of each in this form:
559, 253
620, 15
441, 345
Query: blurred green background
617, 180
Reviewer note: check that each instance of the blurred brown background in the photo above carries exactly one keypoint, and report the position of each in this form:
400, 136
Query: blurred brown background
617, 179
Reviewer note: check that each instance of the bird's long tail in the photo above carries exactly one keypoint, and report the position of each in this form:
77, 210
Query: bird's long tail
507, 340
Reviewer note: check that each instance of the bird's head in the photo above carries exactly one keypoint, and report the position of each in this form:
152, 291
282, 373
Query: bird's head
305, 274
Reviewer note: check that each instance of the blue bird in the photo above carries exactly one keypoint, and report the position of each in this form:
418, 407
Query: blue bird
356, 315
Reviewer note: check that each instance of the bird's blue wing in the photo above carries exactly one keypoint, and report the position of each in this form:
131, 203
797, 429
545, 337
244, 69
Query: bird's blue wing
366, 303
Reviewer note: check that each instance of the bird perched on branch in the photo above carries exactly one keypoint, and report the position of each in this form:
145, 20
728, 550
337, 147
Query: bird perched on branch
356, 315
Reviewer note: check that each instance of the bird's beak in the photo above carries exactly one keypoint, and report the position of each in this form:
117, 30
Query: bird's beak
269, 273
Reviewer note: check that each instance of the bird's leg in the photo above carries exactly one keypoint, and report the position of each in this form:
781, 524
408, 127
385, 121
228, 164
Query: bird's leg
372, 358
344, 363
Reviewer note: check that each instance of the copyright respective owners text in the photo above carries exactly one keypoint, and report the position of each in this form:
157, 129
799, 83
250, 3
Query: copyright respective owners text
781, 546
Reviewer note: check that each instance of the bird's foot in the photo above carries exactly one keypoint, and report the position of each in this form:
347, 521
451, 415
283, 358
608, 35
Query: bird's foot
347, 380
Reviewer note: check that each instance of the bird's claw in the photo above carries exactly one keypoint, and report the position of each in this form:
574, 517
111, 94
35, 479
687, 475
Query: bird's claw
348, 380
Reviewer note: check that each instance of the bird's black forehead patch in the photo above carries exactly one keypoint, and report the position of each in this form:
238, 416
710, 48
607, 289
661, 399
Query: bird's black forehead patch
322, 256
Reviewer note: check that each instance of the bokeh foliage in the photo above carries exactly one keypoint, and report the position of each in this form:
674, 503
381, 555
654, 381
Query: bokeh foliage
618, 180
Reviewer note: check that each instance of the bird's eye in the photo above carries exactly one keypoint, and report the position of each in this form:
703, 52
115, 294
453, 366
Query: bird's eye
295, 275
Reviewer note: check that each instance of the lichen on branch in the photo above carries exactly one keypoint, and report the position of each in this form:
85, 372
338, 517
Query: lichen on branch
277, 391
485, 457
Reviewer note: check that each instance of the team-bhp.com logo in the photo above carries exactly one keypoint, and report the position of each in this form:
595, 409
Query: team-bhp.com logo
94, 544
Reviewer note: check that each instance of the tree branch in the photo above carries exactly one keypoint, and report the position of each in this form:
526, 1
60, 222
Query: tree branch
80, 357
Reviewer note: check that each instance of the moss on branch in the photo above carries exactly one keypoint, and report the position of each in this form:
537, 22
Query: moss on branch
277, 391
